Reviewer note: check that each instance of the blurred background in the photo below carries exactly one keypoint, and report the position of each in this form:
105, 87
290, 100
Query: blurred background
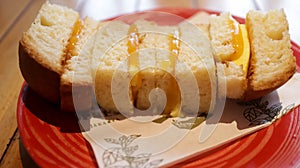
103, 9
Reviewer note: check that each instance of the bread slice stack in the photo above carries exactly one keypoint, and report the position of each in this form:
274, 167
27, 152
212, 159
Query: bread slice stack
272, 62
223, 29
147, 68
127, 73
76, 81
42, 49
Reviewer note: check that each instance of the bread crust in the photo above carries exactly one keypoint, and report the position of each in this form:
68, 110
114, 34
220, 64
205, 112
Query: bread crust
268, 70
76, 93
41, 79
76, 97
251, 94
46, 80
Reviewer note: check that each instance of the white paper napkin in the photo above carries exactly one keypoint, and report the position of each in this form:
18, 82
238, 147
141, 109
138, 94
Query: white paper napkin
139, 142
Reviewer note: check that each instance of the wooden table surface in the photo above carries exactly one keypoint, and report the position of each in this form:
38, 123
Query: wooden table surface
17, 15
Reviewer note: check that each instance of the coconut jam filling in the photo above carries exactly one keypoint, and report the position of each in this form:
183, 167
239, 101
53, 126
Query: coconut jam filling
169, 86
70, 49
241, 45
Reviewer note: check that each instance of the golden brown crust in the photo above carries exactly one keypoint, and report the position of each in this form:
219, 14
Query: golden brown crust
30, 47
251, 94
41, 79
46, 80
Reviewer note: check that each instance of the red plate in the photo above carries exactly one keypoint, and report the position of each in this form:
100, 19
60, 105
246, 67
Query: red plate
53, 138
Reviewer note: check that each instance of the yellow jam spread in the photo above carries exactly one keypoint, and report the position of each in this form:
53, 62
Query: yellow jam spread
241, 45
173, 91
132, 47
244, 52
174, 44
133, 61
71, 46
174, 47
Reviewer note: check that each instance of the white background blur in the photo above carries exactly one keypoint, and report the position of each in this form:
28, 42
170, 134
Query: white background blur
103, 9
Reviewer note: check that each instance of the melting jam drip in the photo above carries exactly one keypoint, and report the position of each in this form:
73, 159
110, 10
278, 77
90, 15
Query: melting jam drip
172, 91
133, 43
173, 95
174, 48
174, 44
171, 88
132, 47
241, 45
237, 40
73, 40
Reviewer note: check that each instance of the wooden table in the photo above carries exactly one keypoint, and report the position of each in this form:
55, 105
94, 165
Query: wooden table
17, 15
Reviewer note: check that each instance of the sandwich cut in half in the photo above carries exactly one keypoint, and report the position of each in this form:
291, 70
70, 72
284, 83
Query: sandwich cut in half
145, 67
76, 90
148, 58
42, 49
272, 62
256, 56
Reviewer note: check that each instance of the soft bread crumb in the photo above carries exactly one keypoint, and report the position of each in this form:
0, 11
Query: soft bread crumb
195, 63
196, 52
236, 82
221, 35
109, 55
201, 20
42, 47
76, 81
49, 33
272, 61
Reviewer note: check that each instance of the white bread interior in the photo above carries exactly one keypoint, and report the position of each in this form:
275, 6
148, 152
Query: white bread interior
76, 80
220, 32
202, 21
272, 62
110, 51
42, 48
197, 53
195, 57
236, 81
102, 58
154, 52
221, 35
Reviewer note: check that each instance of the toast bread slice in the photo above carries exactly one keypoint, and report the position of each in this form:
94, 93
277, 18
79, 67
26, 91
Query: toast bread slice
42, 47
272, 62
76, 82
102, 50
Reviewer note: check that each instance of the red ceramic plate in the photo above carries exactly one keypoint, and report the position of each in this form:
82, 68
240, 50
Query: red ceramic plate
53, 138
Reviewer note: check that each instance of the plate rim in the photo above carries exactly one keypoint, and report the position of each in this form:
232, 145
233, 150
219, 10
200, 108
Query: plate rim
21, 105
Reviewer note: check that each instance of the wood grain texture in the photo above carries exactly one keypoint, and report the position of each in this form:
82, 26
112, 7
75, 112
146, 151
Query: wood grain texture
12, 157
11, 78
9, 13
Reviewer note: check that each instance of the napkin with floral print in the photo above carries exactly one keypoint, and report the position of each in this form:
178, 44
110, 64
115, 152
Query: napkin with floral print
157, 141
